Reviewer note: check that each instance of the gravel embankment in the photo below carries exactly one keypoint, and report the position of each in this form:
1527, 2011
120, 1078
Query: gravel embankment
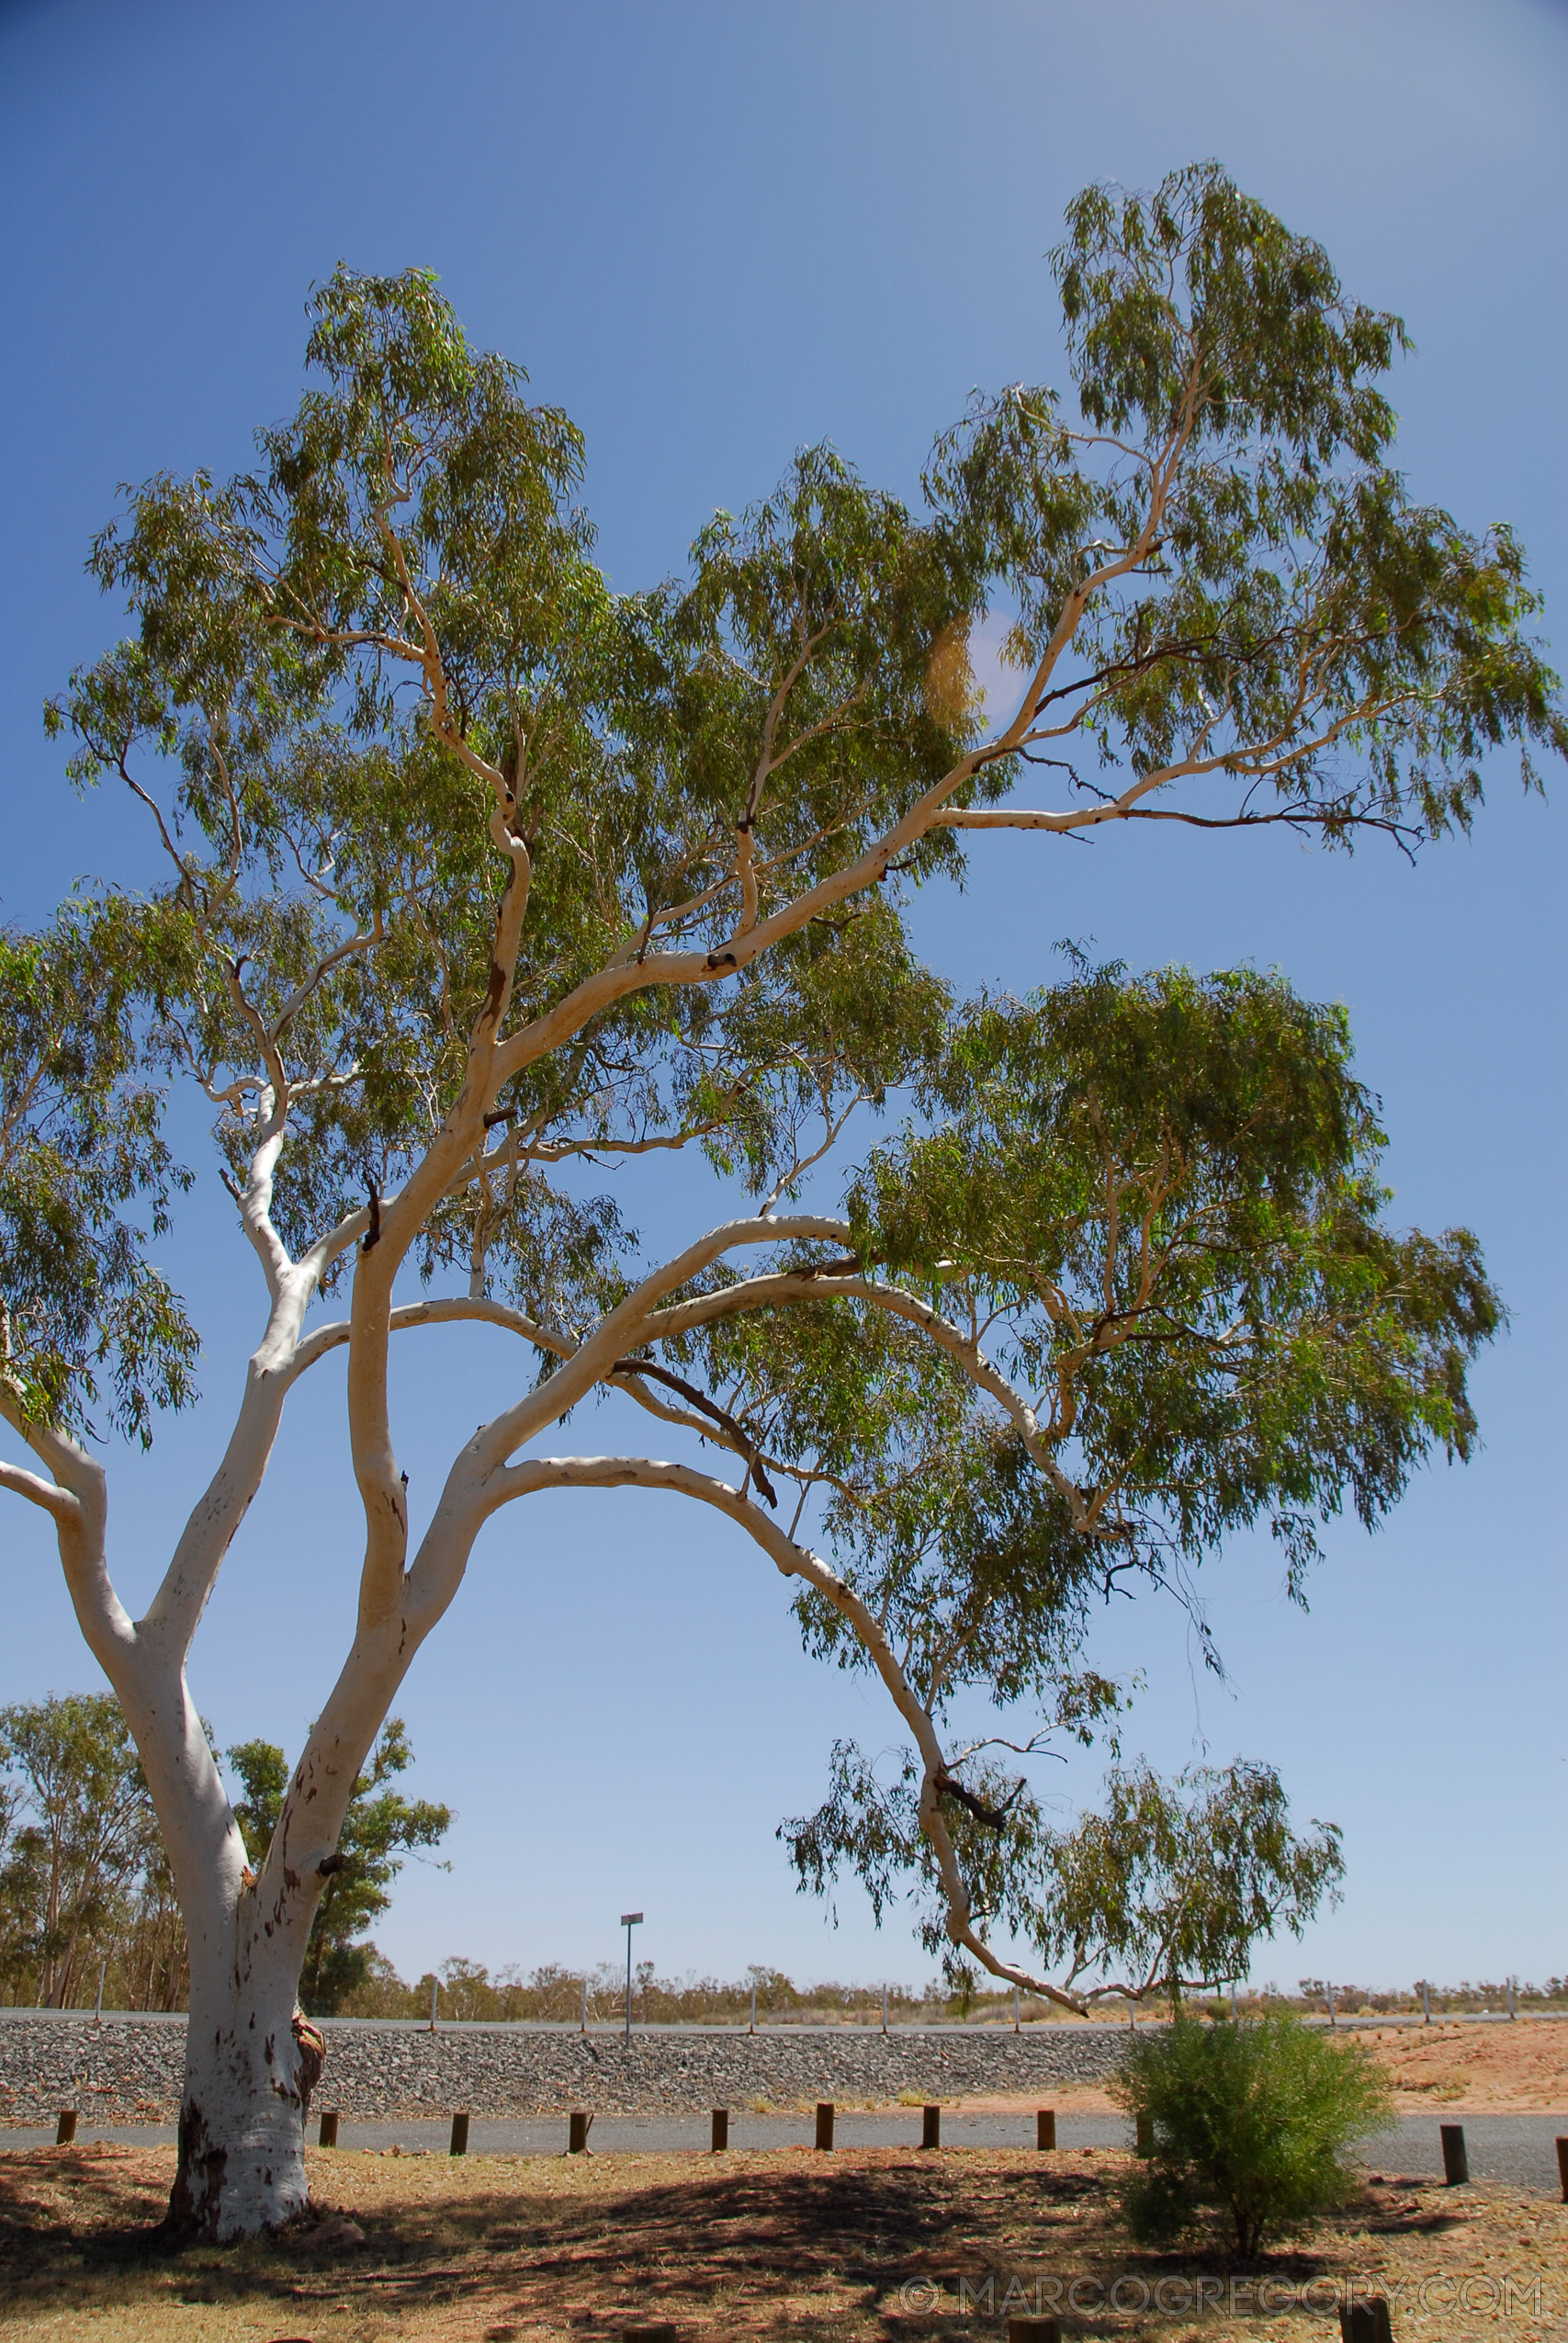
128, 2070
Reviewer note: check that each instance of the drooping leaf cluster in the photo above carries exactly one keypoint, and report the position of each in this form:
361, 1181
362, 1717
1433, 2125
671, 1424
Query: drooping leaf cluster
1167, 1885
1170, 1885
92, 1335
1161, 1194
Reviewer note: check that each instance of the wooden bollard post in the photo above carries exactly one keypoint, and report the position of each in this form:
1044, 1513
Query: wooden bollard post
824, 2122
1143, 2135
65, 2129
1563, 2166
1045, 2127
328, 2134
1034, 2330
577, 2124
460, 2136
1366, 2322
720, 2129
1456, 2163
931, 2127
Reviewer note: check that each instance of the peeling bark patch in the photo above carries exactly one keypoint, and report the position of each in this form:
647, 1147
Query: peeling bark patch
312, 2057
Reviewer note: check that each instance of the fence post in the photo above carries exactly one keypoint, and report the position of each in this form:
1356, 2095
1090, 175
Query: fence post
1366, 2322
577, 2124
824, 2122
884, 2008
1144, 2136
327, 2137
753, 2025
1456, 2163
1034, 2330
1425, 2003
1017, 2011
460, 2136
1509, 1989
1328, 1997
434, 1993
584, 2026
1563, 2166
720, 2129
98, 2010
931, 2127
1045, 2127
65, 2130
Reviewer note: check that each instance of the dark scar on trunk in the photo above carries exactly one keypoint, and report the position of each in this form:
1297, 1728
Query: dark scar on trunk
197, 2192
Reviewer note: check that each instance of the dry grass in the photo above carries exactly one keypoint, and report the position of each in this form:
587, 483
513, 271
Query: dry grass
755, 2244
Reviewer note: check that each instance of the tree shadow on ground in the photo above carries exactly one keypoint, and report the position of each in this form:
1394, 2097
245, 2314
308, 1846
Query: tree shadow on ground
874, 2245
762, 2238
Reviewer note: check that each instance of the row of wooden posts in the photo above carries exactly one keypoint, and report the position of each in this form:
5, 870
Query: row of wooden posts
579, 2122
1456, 2159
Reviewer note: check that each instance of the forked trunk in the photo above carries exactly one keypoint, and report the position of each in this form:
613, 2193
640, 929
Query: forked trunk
250, 2065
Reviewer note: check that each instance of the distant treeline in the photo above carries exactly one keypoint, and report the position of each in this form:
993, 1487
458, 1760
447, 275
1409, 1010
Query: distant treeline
465, 1989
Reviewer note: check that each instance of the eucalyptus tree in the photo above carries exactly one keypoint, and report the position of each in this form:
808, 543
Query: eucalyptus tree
84, 1838
480, 875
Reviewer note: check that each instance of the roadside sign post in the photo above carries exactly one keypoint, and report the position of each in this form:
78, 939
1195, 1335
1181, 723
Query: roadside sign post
628, 1922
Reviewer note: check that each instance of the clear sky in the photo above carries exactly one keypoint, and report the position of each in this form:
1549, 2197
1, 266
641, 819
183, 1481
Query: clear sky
713, 232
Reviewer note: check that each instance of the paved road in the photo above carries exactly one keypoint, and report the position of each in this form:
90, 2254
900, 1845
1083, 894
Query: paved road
1515, 2149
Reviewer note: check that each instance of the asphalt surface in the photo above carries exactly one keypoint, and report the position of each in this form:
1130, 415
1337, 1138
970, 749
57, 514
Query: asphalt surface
1517, 2149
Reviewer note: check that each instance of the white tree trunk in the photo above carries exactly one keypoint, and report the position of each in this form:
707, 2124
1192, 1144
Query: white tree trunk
250, 2066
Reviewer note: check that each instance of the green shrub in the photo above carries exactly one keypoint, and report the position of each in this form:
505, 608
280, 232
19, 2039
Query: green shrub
1249, 2122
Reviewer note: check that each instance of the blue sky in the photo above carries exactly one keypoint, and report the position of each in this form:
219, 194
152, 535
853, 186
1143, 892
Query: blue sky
713, 232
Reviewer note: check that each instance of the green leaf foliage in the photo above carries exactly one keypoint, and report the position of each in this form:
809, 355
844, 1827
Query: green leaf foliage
1172, 1885
1274, 607
341, 650
91, 1332
76, 1832
1161, 1194
1167, 1885
1250, 2124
